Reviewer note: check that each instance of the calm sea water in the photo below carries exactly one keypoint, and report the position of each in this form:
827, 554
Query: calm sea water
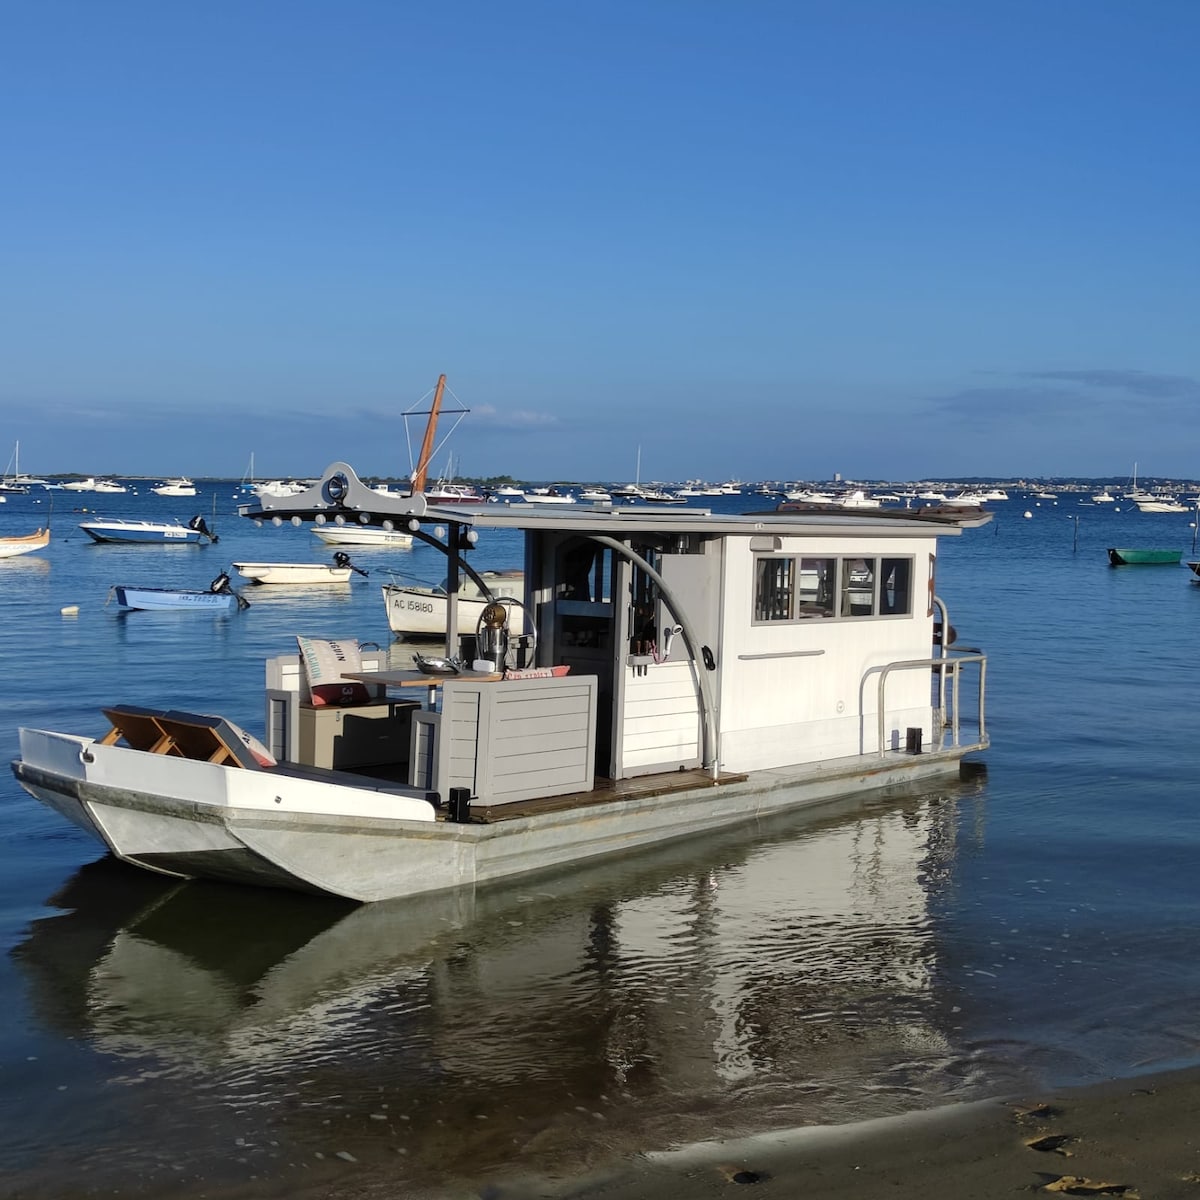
1032, 923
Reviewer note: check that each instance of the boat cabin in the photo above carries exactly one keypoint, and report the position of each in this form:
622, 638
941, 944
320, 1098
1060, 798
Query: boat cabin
651, 641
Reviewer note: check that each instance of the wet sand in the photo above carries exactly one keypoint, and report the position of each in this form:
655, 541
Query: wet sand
1137, 1138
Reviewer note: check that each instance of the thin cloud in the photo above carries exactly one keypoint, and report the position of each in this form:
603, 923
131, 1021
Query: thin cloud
488, 416
1138, 383
987, 407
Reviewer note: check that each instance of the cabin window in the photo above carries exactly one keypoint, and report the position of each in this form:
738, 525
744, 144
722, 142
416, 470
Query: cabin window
817, 587
895, 586
774, 589
792, 589
858, 587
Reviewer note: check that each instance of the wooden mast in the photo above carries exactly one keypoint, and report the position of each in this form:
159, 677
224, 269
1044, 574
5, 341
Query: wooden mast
421, 474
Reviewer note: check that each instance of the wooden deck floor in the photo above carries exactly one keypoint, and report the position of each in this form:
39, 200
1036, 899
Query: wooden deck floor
605, 792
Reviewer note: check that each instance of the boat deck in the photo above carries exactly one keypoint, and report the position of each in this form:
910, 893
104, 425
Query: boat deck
606, 791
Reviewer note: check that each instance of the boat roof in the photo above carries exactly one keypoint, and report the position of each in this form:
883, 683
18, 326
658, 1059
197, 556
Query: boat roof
340, 496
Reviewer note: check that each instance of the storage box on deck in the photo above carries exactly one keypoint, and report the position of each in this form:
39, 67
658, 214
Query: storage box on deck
342, 738
361, 735
505, 741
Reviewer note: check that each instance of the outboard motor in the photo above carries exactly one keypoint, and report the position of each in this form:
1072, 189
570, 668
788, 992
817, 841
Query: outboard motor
197, 523
221, 587
342, 559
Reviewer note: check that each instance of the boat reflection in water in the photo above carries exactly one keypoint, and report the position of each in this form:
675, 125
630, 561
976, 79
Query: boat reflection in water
783, 976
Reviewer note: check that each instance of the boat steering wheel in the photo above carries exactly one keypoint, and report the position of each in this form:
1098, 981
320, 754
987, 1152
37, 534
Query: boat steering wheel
489, 612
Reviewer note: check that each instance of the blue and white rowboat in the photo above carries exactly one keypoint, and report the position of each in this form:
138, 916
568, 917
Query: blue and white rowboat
155, 599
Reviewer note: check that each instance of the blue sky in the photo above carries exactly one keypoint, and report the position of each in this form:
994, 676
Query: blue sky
757, 239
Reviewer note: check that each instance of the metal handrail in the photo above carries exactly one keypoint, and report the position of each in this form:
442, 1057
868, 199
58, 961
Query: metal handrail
947, 667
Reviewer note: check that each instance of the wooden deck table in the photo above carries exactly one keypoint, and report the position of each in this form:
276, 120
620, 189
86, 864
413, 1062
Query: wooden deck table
411, 678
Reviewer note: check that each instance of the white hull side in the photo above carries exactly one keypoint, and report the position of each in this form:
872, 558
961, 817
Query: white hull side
411, 611
292, 573
349, 536
421, 612
318, 844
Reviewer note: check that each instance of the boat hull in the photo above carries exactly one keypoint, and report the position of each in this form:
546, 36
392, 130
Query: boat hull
141, 533
1125, 557
222, 822
307, 574
11, 547
365, 536
175, 600
419, 612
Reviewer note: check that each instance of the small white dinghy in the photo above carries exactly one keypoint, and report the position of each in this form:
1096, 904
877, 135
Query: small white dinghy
299, 574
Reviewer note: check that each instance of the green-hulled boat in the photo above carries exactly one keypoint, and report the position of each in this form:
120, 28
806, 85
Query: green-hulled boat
1143, 558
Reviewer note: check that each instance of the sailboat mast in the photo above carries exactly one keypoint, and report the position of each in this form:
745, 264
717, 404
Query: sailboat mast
421, 474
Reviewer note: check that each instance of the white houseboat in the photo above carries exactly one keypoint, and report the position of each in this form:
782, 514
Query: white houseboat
685, 671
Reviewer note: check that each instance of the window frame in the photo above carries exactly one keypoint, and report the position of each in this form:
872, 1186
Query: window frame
841, 589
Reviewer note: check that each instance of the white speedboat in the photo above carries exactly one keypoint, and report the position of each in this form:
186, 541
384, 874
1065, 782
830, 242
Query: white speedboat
179, 486
80, 485
110, 487
353, 534
859, 499
160, 533
453, 493
692, 671
1160, 504
278, 487
550, 495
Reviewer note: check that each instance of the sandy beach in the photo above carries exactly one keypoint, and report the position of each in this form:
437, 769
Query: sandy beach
1136, 1138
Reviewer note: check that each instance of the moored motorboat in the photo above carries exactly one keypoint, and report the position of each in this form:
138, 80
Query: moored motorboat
293, 574
353, 534
179, 486
1135, 557
418, 610
550, 495
442, 492
692, 670
161, 533
218, 597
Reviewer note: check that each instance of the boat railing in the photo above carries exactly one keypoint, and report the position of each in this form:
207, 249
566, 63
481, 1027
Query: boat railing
948, 673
